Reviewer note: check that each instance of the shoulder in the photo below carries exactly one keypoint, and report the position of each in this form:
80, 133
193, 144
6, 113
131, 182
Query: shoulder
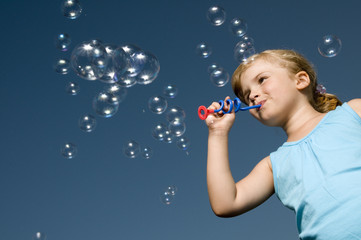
355, 104
267, 162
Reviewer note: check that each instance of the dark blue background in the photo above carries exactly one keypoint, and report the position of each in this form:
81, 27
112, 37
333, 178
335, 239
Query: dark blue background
101, 194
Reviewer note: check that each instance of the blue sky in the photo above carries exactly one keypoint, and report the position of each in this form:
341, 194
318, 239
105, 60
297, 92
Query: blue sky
101, 194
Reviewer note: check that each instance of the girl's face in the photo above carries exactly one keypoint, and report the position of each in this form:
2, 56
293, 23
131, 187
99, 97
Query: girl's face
273, 87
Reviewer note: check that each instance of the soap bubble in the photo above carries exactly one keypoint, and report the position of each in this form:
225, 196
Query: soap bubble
69, 150
150, 69
172, 190
212, 67
71, 8
183, 143
147, 152
62, 66
245, 42
89, 60
62, 42
131, 149
166, 198
216, 15
330, 46
87, 123
203, 50
119, 91
116, 66
219, 77
168, 136
170, 91
175, 113
135, 57
241, 54
159, 131
105, 104
72, 88
238, 27
157, 104
127, 81
39, 236
177, 128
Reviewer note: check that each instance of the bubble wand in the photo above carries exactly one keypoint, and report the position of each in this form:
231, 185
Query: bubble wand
203, 112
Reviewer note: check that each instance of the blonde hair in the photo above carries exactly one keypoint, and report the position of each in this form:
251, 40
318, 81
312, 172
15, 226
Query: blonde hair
294, 62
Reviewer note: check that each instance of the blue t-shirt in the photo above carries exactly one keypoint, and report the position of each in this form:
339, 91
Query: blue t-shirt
319, 177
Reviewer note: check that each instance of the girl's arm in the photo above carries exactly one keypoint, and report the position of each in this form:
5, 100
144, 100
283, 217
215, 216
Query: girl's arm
355, 104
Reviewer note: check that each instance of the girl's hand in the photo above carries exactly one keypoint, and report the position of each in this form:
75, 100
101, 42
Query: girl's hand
220, 122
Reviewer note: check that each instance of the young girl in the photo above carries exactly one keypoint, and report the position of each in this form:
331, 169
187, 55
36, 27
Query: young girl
316, 173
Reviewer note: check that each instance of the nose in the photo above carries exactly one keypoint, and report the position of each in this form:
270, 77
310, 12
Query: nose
253, 96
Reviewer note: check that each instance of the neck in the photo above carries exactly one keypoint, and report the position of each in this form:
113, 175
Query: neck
303, 120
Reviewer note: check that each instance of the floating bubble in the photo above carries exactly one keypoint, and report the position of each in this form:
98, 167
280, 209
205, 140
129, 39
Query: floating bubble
166, 198
127, 81
147, 152
131, 149
119, 91
105, 104
159, 131
219, 77
71, 8
39, 236
150, 69
177, 128
87, 123
168, 136
89, 60
212, 67
172, 190
245, 42
216, 15
170, 91
238, 27
175, 113
72, 88
62, 66
69, 150
62, 42
203, 50
117, 64
183, 143
157, 104
136, 59
242, 54
330, 46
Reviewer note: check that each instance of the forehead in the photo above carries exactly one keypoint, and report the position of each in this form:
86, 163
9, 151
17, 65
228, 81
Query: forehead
257, 67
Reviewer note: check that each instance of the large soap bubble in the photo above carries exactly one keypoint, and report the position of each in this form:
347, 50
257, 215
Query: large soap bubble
177, 128
119, 91
136, 61
150, 68
219, 77
116, 66
330, 46
105, 104
71, 8
216, 15
175, 113
89, 60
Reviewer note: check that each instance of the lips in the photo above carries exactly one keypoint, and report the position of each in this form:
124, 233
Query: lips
262, 103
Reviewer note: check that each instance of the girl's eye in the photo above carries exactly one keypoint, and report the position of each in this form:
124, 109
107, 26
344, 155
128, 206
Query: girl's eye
261, 79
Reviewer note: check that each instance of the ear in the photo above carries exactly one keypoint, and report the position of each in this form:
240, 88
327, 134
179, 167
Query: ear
302, 80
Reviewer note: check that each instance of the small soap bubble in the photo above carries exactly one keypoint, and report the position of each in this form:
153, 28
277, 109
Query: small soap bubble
166, 198
89, 60
147, 152
330, 46
238, 27
39, 236
168, 136
105, 104
127, 81
87, 123
177, 128
150, 68
157, 104
119, 91
172, 190
62, 66
159, 131
175, 113
242, 54
203, 50
219, 77
212, 67
131, 149
69, 150
71, 8
170, 91
72, 88
183, 143
216, 15
62, 42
